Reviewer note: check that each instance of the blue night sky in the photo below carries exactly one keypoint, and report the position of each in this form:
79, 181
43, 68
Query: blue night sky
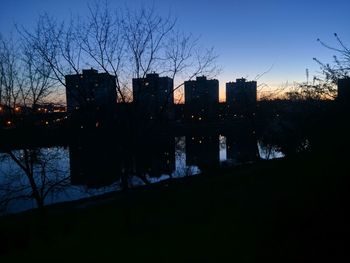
249, 35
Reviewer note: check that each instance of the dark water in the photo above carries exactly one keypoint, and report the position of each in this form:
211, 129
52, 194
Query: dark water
95, 164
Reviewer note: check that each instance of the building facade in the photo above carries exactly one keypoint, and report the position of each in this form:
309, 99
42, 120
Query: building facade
241, 95
153, 97
343, 90
91, 97
90, 89
201, 99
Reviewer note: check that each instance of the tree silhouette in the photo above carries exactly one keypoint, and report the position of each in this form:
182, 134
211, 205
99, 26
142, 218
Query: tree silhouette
34, 175
324, 86
125, 43
26, 79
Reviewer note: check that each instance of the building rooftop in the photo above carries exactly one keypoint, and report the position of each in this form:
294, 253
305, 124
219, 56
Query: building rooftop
89, 71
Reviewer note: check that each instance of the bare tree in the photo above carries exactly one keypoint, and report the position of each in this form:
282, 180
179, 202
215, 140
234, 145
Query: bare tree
341, 64
54, 44
125, 43
26, 78
38, 84
324, 85
101, 38
36, 174
11, 81
145, 33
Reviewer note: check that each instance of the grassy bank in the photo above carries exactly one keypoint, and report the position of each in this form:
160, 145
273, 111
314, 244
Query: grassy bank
284, 210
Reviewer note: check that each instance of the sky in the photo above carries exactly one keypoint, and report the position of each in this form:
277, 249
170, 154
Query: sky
250, 36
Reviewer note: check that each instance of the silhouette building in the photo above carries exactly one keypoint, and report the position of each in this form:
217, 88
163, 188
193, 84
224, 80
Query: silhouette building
343, 89
201, 98
90, 90
153, 96
241, 95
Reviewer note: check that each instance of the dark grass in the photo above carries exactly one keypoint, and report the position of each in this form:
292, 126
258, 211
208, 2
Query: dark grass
291, 210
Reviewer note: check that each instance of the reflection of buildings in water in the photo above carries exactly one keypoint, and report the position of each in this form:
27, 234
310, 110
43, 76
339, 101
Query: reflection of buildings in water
93, 165
155, 156
241, 147
202, 151
98, 164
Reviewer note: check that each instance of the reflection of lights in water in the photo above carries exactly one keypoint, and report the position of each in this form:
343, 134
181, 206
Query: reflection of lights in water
222, 148
181, 169
268, 152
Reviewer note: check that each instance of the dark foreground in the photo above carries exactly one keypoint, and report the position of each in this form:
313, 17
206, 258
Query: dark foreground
284, 210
